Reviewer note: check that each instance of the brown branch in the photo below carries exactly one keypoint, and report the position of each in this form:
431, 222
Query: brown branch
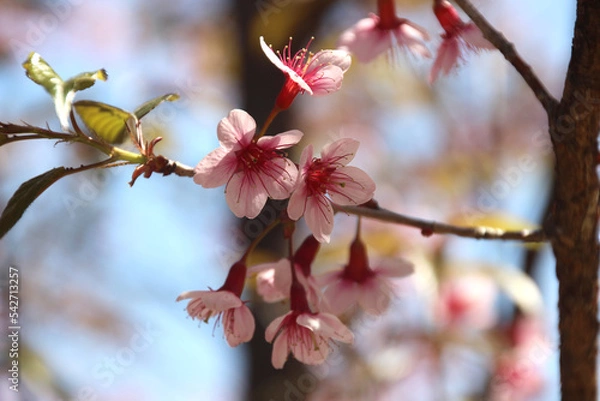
508, 51
428, 227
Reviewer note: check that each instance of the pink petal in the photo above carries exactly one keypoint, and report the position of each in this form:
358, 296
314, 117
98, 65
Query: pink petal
216, 168
238, 325
190, 295
340, 152
279, 178
297, 203
341, 295
365, 40
221, 300
280, 351
337, 58
352, 186
245, 195
412, 37
326, 80
474, 37
274, 281
236, 130
395, 268
326, 325
306, 158
375, 295
329, 277
280, 141
274, 327
447, 58
319, 217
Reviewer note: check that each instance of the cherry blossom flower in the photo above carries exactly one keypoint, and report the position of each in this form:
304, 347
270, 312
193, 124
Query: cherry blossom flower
467, 301
328, 175
358, 284
376, 34
253, 170
238, 322
458, 38
317, 74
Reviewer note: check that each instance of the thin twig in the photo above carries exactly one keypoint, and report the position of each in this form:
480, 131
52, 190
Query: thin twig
428, 227
508, 51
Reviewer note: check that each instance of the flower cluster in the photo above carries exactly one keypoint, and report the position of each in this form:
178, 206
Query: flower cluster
385, 31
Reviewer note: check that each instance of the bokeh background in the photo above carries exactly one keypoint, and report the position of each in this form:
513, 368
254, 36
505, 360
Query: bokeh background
102, 263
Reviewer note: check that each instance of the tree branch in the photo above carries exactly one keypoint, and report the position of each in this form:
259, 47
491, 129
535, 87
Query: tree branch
428, 227
508, 51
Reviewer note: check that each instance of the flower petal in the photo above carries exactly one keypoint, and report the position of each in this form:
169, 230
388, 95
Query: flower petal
326, 80
280, 351
341, 296
245, 195
221, 300
279, 177
280, 141
473, 36
297, 203
446, 59
216, 168
239, 325
395, 268
340, 152
236, 130
319, 216
337, 58
412, 37
350, 186
274, 327
365, 40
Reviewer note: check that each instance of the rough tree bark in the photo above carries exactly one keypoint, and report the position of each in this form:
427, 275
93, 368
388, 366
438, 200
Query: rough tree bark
572, 225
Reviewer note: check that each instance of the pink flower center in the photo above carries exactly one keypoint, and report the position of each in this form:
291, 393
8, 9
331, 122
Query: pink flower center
448, 18
318, 177
255, 159
287, 94
387, 15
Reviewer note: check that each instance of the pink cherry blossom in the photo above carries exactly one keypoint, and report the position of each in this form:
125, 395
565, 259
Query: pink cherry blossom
358, 284
238, 322
467, 301
458, 38
253, 170
317, 74
307, 335
328, 175
367, 39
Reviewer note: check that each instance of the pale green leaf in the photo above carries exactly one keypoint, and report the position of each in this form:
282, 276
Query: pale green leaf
25, 195
105, 121
151, 104
40, 72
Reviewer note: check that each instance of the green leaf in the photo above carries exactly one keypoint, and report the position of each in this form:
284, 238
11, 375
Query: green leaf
40, 72
151, 104
106, 121
26, 194
62, 92
84, 80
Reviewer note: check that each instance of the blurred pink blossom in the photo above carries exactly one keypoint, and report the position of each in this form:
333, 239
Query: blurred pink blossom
358, 284
459, 37
467, 300
253, 170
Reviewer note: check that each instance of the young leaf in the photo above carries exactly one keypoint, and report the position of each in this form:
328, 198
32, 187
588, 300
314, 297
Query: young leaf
106, 121
62, 92
40, 72
26, 194
151, 104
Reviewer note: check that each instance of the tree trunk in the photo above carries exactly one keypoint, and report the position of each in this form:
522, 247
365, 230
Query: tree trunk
572, 225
